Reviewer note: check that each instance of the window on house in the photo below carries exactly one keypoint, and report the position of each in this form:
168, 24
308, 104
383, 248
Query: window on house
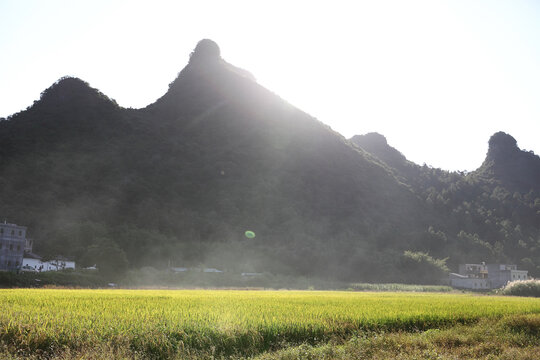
12, 232
9, 263
10, 246
20, 233
18, 247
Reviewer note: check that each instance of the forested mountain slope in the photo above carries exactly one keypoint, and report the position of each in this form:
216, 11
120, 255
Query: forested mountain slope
491, 214
180, 181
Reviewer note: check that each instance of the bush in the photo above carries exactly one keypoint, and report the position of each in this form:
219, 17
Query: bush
421, 268
63, 278
523, 288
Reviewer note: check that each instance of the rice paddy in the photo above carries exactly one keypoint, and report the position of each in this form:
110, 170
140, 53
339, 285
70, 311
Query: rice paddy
180, 323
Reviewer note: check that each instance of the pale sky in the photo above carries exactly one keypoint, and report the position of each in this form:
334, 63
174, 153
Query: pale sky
437, 78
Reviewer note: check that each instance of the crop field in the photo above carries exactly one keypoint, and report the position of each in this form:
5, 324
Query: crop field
224, 323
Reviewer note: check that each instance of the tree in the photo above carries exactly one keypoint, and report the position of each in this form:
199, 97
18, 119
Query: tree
421, 268
110, 260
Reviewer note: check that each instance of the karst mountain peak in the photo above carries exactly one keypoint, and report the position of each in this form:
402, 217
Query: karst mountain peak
206, 51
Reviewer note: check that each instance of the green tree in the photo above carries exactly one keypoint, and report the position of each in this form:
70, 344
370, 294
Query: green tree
110, 260
421, 268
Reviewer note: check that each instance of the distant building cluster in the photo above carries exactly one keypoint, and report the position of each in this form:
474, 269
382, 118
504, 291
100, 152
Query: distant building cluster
486, 276
33, 262
16, 252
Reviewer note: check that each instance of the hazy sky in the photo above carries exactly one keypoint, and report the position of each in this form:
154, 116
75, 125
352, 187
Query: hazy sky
437, 78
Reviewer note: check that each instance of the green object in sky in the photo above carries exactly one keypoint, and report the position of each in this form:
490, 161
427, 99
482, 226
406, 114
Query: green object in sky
249, 234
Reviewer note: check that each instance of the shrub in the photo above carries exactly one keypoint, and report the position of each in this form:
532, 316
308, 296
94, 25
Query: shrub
523, 288
421, 268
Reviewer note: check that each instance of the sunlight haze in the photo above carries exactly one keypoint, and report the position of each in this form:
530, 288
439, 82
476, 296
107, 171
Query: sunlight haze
437, 78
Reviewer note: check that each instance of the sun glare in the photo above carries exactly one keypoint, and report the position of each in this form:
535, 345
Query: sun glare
409, 70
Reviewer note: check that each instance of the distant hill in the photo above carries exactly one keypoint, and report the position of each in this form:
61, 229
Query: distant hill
492, 213
180, 181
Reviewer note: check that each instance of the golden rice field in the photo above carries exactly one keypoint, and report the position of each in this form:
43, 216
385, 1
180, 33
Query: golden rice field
164, 323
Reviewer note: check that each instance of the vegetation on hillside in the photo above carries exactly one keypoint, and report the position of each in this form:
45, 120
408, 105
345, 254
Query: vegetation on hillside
491, 214
179, 182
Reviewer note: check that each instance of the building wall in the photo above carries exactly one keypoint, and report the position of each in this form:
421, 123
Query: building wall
12, 243
501, 274
470, 283
52, 265
518, 275
28, 245
33, 263
474, 270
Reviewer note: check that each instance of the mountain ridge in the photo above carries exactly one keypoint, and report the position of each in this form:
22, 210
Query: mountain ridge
180, 181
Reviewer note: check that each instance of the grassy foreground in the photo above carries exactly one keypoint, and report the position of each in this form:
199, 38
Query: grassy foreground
271, 324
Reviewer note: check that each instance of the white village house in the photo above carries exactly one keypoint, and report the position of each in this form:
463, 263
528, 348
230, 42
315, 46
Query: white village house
33, 262
486, 276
